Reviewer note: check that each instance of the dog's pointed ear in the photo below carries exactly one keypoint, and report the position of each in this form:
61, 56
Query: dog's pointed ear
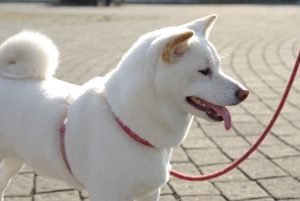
202, 25
176, 46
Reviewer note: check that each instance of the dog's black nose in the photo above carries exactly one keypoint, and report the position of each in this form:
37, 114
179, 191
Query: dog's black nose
242, 94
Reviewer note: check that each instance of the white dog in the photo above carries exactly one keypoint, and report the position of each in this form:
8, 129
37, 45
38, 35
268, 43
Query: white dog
166, 78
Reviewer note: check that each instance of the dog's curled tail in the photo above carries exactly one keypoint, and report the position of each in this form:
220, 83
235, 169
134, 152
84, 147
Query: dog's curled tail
28, 55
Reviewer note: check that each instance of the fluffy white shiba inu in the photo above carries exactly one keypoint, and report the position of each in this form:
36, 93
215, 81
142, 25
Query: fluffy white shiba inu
166, 77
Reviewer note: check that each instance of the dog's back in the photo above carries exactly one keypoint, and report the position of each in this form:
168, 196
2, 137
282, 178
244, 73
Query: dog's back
33, 104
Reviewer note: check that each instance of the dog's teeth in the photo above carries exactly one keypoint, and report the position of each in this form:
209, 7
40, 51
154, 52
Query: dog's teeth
198, 101
203, 104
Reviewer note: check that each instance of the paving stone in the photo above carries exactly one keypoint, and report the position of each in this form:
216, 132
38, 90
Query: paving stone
207, 156
273, 103
279, 151
268, 141
198, 143
233, 175
195, 133
291, 139
291, 105
291, 200
238, 152
284, 130
282, 188
184, 188
241, 190
230, 142
258, 107
21, 185
237, 110
264, 199
187, 168
165, 190
296, 123
167, 198
214, 130
179, 155
84, 194
26, 169
58, 196
248, 128
197, 198
195, 124
17, 199
290, 164
291, 117
265, 119
245, 118
44, 185
261, 168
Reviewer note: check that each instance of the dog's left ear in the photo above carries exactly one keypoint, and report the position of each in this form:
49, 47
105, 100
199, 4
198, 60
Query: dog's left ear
202, 25
176, 46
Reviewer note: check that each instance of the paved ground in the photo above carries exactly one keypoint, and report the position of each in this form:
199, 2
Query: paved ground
259, 45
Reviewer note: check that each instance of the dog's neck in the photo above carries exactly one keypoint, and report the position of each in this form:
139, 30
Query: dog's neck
156, 121
133, 99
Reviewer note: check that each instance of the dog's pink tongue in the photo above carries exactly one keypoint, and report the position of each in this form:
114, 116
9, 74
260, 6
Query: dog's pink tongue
224, 113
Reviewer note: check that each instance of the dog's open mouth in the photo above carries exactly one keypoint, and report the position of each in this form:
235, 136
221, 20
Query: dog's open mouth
215, 112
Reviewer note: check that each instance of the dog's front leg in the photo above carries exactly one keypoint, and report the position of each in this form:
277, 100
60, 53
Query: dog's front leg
113, 195
150, 197
8, 168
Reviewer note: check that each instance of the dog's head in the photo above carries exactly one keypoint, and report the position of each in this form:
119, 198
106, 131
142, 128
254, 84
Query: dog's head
187, 70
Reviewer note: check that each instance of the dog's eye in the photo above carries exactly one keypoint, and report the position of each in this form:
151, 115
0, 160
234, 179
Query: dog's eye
206, 71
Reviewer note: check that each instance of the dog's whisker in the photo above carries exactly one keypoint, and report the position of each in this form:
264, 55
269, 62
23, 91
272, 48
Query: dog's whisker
228, 52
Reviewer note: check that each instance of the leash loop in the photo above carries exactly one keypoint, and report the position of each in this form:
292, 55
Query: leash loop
235, 163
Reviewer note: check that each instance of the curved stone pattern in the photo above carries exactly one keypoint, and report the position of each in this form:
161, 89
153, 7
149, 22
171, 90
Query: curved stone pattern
258, 45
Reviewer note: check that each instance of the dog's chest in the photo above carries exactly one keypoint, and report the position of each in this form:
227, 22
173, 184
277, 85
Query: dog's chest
151, 174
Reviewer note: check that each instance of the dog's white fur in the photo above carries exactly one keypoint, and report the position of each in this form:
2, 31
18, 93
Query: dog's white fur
28, 55
146, 91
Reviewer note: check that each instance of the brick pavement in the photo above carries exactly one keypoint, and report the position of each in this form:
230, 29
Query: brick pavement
258, 45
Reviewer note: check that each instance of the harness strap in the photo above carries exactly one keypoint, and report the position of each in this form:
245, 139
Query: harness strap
62, 132
132, 134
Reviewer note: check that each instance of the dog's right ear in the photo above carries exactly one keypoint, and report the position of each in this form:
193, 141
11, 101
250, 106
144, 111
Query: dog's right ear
176, 46
202, 25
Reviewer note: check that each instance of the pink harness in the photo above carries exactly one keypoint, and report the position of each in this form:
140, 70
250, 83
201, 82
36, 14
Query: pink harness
62, 131
127, 130
131, 133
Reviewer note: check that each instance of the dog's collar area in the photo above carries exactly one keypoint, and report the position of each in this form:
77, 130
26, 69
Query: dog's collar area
131, 133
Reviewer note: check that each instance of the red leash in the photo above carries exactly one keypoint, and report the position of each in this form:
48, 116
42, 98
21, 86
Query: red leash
235, 163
